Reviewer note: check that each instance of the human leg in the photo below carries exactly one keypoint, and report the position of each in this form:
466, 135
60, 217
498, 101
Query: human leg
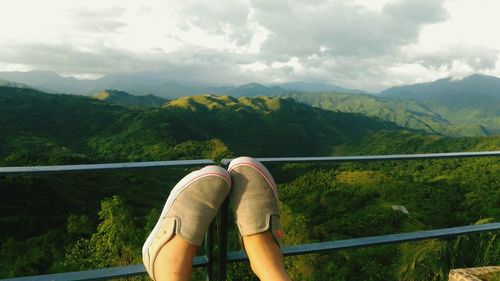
265, 257
175, 260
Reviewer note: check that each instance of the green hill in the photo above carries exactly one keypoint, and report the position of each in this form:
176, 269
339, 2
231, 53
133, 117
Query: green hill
55, 223
255, 89
36, 124
5, 83
470, 100
473, 90
126, 99
432, 118
259, 126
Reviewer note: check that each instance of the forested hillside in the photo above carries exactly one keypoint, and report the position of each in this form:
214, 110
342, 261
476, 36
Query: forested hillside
38, 126
126, 99
53, 223
432, 117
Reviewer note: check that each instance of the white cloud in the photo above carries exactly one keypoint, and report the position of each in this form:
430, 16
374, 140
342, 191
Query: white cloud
367, 44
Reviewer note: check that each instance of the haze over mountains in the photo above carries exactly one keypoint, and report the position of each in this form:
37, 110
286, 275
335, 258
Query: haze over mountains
445, 90
452, 107
476, 89
154, 83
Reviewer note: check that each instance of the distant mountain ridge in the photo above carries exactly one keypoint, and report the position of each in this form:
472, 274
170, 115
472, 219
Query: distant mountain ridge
472, 90
47, 81
430, 117
154, 83
318, 87
452, 107
255, 89
124, 98
6, 83
471, 100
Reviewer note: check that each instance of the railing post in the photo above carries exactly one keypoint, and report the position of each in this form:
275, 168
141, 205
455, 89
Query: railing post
209, 252
222, 243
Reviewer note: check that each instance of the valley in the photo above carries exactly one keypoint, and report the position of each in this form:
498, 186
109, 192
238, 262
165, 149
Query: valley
319, 202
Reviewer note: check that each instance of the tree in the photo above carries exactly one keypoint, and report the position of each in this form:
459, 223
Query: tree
115, 243
433, 259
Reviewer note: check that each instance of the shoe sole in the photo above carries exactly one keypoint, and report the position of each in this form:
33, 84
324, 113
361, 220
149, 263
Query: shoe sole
177, 190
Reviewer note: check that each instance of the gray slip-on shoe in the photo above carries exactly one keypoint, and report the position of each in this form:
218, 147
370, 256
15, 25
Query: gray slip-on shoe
188, 212
254, 198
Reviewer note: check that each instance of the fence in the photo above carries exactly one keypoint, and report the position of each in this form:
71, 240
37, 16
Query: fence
216, 263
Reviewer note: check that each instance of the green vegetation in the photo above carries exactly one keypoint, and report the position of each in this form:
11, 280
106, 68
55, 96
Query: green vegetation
65, 222
126, 99
427, 116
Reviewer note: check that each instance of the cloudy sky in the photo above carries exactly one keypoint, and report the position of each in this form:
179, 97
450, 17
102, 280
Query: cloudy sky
363, 44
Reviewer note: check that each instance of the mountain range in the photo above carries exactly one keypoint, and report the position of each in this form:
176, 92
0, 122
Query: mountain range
454, 107
450, 119
36, 123
153, 83
126, 99
473, 90
430, 117
6, 83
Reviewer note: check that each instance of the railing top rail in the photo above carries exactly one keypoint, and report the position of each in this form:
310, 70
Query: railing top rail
200, 162
103, 167
364, 158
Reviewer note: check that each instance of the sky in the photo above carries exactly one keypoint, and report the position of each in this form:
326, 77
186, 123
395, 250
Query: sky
361, 44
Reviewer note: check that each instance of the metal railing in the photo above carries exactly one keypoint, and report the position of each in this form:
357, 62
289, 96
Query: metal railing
216, 263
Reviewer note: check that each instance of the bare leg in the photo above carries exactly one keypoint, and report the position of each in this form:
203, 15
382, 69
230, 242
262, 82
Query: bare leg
175, 261
265, 257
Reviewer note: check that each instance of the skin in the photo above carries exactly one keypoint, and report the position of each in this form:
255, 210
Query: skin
178, 255
265, 257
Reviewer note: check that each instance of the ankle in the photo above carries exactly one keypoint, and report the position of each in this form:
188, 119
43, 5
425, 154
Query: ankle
174, 261
265, 257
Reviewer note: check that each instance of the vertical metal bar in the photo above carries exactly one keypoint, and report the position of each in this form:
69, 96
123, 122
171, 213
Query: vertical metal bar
209, 251
222, 251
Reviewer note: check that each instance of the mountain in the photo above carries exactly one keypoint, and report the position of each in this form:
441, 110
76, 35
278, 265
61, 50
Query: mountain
124, 98
318, 87
255, 89
48, 81
156, 84
170, 90
472, 100
430, 117
472, 91
134, 83
6, 83
38, 123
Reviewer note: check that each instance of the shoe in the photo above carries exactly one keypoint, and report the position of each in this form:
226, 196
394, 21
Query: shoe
188, 212
254, 199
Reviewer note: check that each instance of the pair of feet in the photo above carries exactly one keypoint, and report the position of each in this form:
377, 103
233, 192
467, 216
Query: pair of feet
193, 204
